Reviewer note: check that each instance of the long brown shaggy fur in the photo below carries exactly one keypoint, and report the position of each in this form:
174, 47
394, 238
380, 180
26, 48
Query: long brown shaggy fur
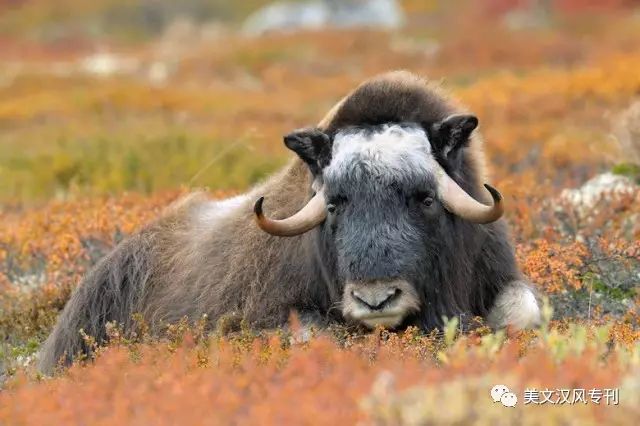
182, 265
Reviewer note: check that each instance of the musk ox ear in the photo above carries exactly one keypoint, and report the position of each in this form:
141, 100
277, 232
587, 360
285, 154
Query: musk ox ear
313, 146
450, 135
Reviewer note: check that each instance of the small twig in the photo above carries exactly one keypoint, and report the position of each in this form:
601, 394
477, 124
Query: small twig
214, 160
590, 293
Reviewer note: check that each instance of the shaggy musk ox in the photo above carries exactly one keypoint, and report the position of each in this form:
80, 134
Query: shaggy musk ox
381, 220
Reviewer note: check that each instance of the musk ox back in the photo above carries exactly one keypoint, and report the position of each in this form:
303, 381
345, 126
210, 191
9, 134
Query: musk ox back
381, 219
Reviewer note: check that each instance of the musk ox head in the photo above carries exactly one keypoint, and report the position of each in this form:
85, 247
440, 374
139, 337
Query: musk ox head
382, 211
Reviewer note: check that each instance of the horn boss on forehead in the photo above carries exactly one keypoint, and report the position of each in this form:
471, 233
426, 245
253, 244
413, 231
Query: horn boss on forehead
314, 148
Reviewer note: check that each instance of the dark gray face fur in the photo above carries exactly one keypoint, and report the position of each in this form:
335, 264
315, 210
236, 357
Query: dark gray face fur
383, 212
382, 187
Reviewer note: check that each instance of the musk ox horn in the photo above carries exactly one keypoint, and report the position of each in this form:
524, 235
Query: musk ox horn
310, 216
458, 202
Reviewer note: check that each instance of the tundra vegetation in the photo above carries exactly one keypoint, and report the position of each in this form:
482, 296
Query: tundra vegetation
93, 146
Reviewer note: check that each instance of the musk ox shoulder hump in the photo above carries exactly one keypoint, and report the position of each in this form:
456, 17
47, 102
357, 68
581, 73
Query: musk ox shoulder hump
394, 97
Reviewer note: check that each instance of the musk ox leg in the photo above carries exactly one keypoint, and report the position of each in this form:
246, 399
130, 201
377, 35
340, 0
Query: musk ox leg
516, 306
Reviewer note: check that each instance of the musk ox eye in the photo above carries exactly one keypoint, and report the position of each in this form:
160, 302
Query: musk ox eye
331, 208
426, 198
427, 201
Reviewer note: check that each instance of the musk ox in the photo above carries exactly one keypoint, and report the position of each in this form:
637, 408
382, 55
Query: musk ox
381, 219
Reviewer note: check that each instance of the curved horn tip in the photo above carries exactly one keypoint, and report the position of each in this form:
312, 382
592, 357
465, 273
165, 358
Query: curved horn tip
495, 194
257, 207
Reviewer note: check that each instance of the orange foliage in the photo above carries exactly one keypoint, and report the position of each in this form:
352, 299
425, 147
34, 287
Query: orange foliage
552, 266
261, 382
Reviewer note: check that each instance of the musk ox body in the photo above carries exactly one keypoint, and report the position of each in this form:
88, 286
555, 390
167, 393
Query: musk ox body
381, 220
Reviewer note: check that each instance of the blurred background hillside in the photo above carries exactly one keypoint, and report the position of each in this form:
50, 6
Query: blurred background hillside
111, 95
68, 20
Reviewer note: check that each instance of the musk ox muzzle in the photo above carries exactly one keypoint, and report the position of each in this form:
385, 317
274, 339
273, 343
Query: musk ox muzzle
379, 303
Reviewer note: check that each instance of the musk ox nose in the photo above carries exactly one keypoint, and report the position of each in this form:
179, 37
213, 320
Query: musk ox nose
376, 302
374, 298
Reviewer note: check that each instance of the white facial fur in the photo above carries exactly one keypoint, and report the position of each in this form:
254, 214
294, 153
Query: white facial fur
394, 149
